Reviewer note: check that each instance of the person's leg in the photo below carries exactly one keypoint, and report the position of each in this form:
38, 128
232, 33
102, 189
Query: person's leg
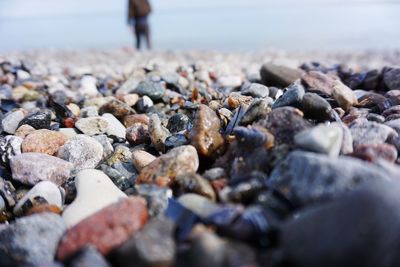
137, 35
147, 35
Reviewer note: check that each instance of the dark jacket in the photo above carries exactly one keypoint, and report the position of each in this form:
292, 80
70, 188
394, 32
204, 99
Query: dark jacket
138, 8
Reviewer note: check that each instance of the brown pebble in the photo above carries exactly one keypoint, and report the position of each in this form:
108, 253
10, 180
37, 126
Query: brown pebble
43, 141
131, 120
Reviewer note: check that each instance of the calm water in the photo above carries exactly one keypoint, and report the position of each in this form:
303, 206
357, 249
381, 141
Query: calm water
206, 24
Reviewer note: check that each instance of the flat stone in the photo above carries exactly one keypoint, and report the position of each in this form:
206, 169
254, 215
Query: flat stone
141, 159
11, 120
82, 151
114, 225
166, 168
31, 240
43, 141
92, 125
31, 168
326, 139
95, 191
46, 191
205, 135
280, 76
368, 132
115, 127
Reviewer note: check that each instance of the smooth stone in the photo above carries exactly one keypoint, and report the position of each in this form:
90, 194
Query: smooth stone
256, 90
88, 257
95, 191
205, 135
391, 79
154, 90
293, 96
92, 125
68, 132
280, 76
295, 176
88, 86
10, 146
108, 149
107, 229
166, 168
158, 133
116, 107
115, 127
178, 122
31, 240
153, 246
82, 151
45, 190
32, 168
201, 206
90, 111
315, 107
326, 139
138, 134
43, 141
11, 120
141, 159
368, 132
38, 120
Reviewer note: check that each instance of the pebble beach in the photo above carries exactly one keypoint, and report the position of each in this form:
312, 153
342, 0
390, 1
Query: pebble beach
199, 158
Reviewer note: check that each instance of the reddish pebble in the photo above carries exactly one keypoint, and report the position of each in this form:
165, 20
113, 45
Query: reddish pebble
373, 153
106, 229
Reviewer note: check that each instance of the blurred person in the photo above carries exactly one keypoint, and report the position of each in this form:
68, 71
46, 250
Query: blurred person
138, 12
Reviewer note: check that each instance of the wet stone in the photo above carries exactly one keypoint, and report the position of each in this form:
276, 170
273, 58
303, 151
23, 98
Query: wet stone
43, 141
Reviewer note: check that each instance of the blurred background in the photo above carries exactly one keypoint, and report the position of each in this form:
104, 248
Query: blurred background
207, 24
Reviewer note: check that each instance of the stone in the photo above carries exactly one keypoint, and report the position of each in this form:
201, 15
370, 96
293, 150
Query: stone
91, 111
205, 135
95, 191
7, 191
38, 120
293, 96
201, 206
331, 86
138, 134
131, 120
166, 168
144, 104
178, 122
279, 76
115, 127
326, 139
158, 133
364, 222
108, 149
43, 141
176, 140
11, 120
88, 257
116, 107
31, 240
256, 90
347, 143
130, 99
230, 81
315, 107
157, 198
374, 153
394, 124
141, 159
153, 246
24, 130
88, 86
31, 168
391, 79
193, 183
92, 125
43, 191
10, 146
68, 132
306, 177
153, 90
368, 132
257, 110
114, 225
82, 151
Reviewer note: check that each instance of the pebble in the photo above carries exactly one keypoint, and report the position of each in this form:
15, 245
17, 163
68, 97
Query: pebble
88, 257
315, 107
24, 130
11, 120
279, 76
88, 86
368, 132
38, 120
92, 125
43, 191
375, 152
200, 205
258, 110
138, 134
141, 159
117, 108
144, 104
95, 191
205, 135
90, 111
115, 127
31, 240
166, 168
326, 139
31, 168
193, 183
10, 146
158, 133
115, 224
108, 149
130, 120
293, 96
256, 90
392, 79
43, 141
154, 90
178, 122
82, 151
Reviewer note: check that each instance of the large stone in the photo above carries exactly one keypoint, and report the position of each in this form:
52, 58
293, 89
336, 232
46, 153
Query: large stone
43, 141
92, 125
31, 240
107, 229
166, 168
305, 177
83, 151
205, 135
31, 168
280, 76
95, 191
